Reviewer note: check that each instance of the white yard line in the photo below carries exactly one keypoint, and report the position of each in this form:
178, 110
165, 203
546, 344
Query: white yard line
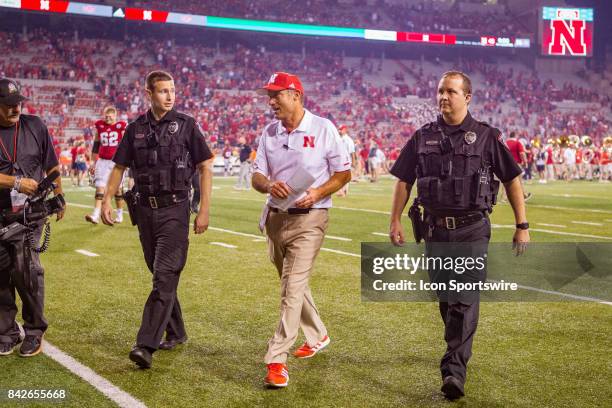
112, 392
338, 238
552, 292
223, 244
380, 234
570, 195
556, 207
79, 205
568, 295
85, 252
242, 234
551, 225
335, 251
552, 207
78, 189
575, 234
362, 210
596, 224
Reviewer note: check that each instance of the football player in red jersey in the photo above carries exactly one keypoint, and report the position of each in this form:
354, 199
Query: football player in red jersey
520, 157
107, 135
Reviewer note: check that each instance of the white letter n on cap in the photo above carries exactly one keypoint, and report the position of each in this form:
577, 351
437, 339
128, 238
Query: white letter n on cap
272, 79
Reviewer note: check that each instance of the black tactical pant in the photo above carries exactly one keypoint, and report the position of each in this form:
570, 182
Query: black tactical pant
459, 311
34, 322
164, 237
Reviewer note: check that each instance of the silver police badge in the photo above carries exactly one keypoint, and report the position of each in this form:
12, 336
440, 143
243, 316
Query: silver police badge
172, 127
470, 137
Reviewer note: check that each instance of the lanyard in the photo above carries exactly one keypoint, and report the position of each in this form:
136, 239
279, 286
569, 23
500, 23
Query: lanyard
5, 150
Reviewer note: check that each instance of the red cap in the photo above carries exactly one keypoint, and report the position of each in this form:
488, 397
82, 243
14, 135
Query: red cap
342, 127
280, 81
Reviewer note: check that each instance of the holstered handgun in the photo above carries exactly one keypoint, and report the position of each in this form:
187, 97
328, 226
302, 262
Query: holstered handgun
131, 199
416, 217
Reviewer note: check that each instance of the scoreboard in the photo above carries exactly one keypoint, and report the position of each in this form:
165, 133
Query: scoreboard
567, 31
171, 17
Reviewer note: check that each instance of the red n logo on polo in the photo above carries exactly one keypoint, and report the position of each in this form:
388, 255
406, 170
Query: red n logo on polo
308, 141
567, 37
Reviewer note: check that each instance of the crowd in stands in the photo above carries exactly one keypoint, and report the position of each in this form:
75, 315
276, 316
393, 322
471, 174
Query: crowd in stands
422, 16
429, 17
216, 88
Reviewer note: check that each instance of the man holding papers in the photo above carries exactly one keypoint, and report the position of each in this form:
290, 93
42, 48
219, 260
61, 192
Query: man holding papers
300, 163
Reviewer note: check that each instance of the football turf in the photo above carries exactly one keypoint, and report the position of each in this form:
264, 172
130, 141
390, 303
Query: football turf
381, 354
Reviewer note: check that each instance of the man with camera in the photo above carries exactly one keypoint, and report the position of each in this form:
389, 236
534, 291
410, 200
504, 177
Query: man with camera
26, 156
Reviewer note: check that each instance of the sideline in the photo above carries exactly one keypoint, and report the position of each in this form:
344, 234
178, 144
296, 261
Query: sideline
109, 390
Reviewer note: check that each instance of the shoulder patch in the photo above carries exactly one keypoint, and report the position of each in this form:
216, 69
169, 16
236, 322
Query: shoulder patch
185, 117
428, 126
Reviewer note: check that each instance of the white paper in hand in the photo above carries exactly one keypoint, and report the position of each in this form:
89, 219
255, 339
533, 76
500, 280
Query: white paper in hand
299, 182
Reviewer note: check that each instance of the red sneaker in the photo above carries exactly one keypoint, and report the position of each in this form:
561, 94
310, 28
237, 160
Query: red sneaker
278, 375
306, 351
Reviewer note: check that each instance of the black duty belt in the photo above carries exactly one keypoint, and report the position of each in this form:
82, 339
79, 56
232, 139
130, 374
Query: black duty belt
294, 211
162, 201
455, 222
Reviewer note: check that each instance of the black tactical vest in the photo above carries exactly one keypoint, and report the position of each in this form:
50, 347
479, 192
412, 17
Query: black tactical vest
455, 174
162, 163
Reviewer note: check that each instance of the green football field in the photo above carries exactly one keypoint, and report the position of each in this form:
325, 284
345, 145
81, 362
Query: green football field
546, 354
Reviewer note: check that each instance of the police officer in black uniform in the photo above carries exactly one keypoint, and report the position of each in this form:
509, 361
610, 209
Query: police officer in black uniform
26, 155
163, 148
453, 161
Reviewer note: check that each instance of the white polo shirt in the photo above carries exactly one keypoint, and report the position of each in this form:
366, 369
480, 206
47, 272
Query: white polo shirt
315, 144
349, 144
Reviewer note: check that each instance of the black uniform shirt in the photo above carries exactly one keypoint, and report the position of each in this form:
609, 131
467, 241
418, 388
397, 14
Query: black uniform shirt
198, 149
35, 154
503, 164
245, 153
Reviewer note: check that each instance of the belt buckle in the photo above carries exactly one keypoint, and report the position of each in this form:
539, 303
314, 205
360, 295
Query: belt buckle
450, 223
153, 202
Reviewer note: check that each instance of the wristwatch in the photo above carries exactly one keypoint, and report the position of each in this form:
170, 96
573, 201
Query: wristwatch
523, 226
17, 183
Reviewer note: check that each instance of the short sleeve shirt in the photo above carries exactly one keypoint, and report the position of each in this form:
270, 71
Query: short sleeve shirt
348, 142
516, 148
315, 145
34, 153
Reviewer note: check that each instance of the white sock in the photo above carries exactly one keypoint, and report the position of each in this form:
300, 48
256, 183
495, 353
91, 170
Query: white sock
96, 213
119, 211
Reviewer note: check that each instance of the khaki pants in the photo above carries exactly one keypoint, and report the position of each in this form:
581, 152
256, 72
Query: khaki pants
294, 242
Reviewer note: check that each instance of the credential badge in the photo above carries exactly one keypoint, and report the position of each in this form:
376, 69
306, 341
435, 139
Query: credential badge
470, 137
172, 127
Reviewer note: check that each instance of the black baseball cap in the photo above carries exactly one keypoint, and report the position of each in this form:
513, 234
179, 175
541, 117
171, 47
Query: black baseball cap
10, 92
